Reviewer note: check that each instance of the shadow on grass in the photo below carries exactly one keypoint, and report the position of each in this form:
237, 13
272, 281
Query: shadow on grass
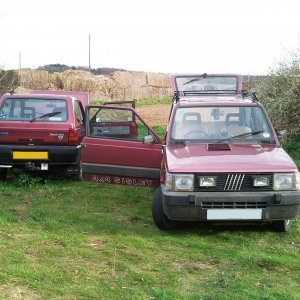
210, 228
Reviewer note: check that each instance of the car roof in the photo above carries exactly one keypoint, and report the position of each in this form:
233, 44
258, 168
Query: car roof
35, 96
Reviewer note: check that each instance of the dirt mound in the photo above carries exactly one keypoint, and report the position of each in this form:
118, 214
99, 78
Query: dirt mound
157, 114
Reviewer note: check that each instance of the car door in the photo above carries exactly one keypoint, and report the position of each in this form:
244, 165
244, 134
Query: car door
120, 148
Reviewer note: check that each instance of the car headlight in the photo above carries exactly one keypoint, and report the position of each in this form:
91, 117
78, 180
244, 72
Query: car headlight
284, 181
298, 181
183, 182
179, 182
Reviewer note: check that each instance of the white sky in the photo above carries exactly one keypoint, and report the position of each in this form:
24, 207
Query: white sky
168, 36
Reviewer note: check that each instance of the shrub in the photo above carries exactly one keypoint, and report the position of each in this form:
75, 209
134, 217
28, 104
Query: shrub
280, 94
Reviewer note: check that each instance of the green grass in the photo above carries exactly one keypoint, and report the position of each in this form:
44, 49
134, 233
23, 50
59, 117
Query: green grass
142, 102
76, 240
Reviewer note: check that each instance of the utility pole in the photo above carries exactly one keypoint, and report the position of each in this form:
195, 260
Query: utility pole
20, 61
89, 52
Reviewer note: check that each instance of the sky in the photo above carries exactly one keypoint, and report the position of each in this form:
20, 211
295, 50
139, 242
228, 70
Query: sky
167, 36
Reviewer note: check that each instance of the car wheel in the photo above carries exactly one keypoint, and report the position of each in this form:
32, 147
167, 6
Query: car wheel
282, 225
159, 218
76, 172
3, 174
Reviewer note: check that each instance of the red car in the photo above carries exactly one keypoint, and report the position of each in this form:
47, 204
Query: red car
222, 159
41, 131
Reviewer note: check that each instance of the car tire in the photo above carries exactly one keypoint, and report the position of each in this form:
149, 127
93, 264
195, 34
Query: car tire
3, 174
282, 225
76, 173
159, 218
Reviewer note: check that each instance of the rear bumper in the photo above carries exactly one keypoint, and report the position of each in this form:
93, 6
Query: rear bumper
57, 155
198, 206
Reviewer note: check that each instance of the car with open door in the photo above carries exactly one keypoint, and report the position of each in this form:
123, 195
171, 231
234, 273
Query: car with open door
40, 132
222, 159
119, 147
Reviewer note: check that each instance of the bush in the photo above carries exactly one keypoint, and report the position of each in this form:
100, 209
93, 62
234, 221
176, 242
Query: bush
280, 94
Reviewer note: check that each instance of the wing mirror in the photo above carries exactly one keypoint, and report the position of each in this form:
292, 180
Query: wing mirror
148, 139
282, 133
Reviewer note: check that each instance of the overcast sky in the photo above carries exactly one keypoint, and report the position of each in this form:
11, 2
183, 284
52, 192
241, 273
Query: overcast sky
193, 36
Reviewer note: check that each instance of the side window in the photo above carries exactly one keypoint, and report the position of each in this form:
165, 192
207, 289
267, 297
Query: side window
78, 113
116, 124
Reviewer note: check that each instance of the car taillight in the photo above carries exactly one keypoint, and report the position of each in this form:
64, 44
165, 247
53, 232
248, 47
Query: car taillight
73, 138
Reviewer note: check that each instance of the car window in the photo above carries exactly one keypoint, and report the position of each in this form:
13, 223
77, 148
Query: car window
217, 123
207, 83
78, 113
43, 110
116, 124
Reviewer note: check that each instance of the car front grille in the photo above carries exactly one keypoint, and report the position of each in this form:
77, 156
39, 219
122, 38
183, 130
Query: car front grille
234, 182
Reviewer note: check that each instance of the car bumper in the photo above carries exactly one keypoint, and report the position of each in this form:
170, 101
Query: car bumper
199, 206
56, 155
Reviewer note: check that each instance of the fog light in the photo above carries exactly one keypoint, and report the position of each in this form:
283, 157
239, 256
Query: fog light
261, 181
207, 181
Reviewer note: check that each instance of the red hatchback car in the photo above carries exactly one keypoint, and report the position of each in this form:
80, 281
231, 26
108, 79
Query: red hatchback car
221, 161
41, 132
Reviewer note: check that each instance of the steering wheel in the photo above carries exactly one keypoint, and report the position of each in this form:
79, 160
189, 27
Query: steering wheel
188, 135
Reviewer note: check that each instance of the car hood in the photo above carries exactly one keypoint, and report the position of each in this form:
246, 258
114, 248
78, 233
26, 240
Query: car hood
196, 158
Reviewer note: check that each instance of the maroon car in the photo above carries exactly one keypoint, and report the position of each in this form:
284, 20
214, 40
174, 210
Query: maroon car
41, 132
221, 161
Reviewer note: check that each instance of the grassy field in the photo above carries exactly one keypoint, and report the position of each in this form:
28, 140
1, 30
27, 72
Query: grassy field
61, 239
75, 240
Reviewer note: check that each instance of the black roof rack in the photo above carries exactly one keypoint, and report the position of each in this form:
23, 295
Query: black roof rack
177, 94
245, 94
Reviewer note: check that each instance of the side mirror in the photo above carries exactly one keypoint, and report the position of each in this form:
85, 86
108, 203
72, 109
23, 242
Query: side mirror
148, 139
282, 133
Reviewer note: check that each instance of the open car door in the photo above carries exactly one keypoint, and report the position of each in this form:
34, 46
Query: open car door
120, 148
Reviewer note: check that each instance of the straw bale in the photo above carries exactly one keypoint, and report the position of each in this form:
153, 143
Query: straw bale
117, 86
158, 80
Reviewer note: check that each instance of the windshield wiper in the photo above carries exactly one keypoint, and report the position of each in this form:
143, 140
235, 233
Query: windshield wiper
241, 135
52, 114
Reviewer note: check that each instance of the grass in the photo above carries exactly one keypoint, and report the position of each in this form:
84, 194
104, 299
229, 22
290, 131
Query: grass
77, 240
142, 102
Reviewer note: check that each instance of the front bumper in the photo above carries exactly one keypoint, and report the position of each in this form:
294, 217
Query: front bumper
57, 155
197, 206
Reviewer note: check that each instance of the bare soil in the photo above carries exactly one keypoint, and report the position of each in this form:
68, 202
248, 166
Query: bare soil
157, 114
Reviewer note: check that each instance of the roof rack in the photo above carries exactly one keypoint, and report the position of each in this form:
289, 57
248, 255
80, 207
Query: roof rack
245, 94
177, 94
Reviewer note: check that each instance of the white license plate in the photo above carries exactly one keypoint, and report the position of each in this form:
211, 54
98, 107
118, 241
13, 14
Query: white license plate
234, 214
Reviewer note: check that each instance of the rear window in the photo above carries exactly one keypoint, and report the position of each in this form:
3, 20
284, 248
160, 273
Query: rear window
206, 84
29, 109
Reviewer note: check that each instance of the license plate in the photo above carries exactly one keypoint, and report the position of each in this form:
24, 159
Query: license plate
29, 155
234, 214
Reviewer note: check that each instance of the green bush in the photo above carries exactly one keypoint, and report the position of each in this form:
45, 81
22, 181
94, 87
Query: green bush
280, 94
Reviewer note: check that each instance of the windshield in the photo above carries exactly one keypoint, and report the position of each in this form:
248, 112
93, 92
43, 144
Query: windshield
207, 84
42, 110
221, 123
